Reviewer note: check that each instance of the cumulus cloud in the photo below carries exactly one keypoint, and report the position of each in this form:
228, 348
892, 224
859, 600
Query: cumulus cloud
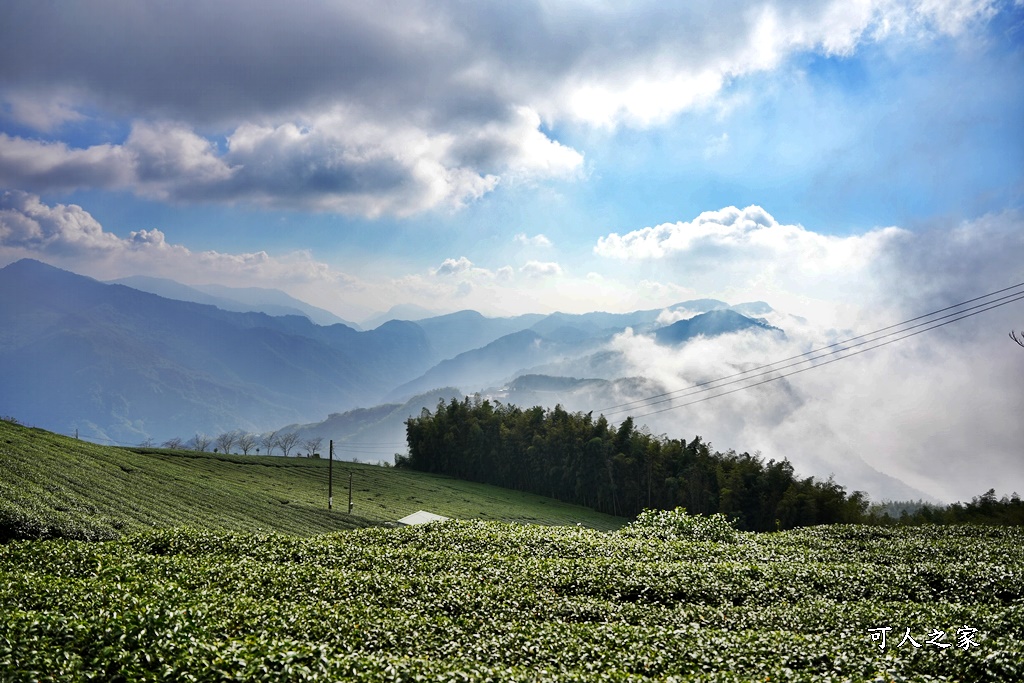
395, 109
541, 269
452, 266
71, 236
938, 412
747, 253
752, 231
535, 241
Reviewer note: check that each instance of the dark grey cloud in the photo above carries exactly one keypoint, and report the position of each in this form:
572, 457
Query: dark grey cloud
216, 62
401, 105
946, 262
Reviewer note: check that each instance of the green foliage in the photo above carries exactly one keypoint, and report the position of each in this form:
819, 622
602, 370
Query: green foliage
487, 601
675, 525
621, 471
983, 509
57, 487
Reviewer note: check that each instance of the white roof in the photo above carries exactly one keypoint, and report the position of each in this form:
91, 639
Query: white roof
421, 517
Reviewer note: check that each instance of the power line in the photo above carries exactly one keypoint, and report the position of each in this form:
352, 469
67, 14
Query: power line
813, 351
929, 325
833, 360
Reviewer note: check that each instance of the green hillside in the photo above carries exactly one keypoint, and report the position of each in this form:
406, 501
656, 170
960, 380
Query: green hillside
55, 486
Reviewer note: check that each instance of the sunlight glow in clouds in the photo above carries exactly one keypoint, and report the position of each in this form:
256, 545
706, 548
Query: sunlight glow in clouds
70, 235
372, 117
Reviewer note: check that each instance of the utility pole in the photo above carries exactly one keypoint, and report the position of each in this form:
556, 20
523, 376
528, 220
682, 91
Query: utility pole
330, 477
350, 493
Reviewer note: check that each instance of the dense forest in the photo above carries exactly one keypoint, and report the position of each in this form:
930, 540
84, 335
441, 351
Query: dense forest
622, 470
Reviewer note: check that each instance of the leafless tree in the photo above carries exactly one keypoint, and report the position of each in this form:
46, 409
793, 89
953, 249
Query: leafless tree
269, 441
313, 445
225, 441
1019, 340
201, 442
173, 442
246, 442
287, 442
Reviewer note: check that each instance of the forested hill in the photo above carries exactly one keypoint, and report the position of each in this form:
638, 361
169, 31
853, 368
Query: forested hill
621, 470
618, 470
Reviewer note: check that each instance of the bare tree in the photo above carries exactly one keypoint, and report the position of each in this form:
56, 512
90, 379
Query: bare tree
225, 441
201, 442
313, 445
173, 442
287, 442
246, 442
268, 441
1019, 340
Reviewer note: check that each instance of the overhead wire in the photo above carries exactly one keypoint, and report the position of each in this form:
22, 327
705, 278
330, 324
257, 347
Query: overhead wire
823, 348
897, 335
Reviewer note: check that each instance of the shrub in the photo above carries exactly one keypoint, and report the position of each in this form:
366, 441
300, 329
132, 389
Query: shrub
676, 525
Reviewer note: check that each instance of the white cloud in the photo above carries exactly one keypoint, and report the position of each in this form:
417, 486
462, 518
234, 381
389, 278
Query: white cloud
452, 266
747, 254
541, 269
938, 411
750, 231
43, 112
535, 241
70, 236
388, 110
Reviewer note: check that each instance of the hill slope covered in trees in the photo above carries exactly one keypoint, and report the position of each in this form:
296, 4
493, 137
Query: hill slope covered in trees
622, 470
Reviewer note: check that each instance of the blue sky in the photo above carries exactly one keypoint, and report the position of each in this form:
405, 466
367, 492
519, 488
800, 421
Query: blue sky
355, 152
856, 162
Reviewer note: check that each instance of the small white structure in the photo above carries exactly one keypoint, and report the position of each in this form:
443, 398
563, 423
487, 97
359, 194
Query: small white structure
421, 517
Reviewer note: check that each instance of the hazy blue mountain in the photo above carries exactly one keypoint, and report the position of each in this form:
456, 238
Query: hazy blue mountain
119, 362
127, 364
455, 333
472, 370
239, 299
371, 434
576, 327
574, 394
410, 312
699, 305
270, 300
710, 324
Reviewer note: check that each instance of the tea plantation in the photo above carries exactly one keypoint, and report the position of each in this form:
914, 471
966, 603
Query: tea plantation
128, 565
490, 601
56, 486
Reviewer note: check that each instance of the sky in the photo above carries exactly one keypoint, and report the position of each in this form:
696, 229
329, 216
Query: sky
854, 162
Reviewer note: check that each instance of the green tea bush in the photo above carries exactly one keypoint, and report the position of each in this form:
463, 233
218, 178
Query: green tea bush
485, 601
676, 525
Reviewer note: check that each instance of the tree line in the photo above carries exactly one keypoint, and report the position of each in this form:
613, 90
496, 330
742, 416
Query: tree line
622, 470
246, 443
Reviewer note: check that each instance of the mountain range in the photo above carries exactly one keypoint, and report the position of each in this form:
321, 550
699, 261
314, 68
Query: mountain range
118, 364
240, 299
147, 358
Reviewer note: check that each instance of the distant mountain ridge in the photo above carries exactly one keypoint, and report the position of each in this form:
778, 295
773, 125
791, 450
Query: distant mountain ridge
711, 324
238, 299
124, 364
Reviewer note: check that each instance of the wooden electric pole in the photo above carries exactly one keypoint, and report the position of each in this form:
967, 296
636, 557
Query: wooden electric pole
350, 493
330, 477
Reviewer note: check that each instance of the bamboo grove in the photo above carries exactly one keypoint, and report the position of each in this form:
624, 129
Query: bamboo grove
617, 470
